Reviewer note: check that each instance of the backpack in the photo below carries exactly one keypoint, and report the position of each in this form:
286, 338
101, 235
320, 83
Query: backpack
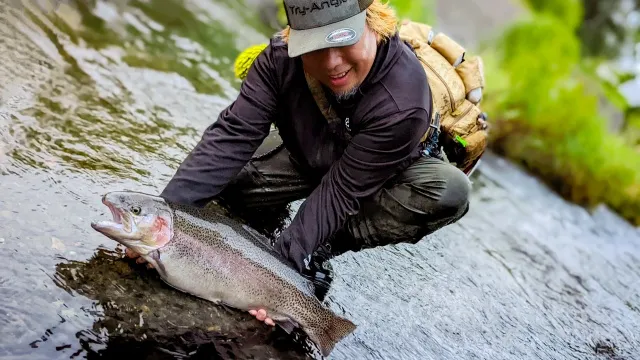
457, 123
456, 85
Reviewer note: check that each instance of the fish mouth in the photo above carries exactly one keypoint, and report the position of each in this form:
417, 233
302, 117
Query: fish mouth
121, 222
115, 213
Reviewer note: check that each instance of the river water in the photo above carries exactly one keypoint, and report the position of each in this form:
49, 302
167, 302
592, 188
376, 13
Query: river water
108, 95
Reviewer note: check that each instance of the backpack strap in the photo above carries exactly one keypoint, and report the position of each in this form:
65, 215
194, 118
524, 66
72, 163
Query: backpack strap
335, 123
320, 97
321, 100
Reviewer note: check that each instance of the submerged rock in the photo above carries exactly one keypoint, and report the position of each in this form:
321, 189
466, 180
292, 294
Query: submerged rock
142, 315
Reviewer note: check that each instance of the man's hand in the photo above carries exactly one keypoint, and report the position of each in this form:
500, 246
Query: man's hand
134, 255
262, 316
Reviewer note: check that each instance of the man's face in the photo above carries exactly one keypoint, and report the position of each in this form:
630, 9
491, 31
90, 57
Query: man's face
342, 69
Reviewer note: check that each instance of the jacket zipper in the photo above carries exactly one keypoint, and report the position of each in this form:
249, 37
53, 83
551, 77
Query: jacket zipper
453, 101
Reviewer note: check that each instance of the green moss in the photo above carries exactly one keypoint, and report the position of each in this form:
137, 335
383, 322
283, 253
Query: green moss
631, 133
546, 117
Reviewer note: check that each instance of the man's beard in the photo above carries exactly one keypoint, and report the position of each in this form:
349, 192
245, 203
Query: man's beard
347, 95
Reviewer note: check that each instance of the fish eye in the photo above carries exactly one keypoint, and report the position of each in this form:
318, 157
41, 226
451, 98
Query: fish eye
136, 210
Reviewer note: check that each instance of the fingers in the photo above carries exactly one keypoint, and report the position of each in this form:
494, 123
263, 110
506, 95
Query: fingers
262, 316
130, 253
139, 259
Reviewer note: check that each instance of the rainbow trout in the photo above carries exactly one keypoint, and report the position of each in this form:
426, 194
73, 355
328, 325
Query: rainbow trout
203, 253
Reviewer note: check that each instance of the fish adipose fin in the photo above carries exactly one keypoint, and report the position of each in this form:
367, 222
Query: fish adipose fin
285, 322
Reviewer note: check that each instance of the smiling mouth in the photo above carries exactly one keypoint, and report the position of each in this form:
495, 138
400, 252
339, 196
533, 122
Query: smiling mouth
339, 76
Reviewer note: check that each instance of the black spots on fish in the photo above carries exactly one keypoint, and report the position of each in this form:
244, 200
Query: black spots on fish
215, 257
218, 231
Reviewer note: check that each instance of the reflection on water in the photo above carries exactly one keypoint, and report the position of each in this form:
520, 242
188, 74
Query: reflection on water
109, 95
94, 101
137, 313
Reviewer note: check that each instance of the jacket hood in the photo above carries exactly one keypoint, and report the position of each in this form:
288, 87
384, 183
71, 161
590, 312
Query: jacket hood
387, 55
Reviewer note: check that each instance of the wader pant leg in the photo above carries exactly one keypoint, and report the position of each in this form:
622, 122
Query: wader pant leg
269, 179
425, 197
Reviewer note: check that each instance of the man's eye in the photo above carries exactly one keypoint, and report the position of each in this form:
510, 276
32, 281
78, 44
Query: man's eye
136, 210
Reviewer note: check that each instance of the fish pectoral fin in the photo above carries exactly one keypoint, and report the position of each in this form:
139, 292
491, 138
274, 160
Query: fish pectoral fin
287, 325
224, 305
285, 322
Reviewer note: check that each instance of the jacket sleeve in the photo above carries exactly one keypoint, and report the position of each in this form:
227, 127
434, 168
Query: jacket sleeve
230, 142
374, 155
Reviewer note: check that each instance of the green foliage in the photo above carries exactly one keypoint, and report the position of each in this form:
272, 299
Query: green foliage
570, 12
416, 10
536, 57
631, 133
281, 15
546, 116
614, 96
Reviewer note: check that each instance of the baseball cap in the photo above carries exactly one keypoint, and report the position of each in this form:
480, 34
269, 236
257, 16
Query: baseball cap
319, 24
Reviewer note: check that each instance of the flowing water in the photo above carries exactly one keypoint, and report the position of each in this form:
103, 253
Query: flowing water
108, 95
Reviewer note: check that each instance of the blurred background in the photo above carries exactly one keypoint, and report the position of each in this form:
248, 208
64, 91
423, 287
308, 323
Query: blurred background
562, 88
563, 93
101, 95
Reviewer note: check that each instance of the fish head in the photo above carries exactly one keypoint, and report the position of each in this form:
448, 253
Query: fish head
141, 222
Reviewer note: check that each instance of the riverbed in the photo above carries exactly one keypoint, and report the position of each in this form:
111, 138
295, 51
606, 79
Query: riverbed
113, 95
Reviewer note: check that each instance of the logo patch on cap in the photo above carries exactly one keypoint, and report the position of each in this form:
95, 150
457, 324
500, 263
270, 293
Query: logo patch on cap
340, 35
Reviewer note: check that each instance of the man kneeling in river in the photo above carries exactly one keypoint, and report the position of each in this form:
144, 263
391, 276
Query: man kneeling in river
366, 177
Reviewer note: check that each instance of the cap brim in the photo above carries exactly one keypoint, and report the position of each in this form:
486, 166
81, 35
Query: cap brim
304, 41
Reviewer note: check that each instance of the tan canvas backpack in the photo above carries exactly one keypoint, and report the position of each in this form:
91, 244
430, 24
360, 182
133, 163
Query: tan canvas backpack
456, 85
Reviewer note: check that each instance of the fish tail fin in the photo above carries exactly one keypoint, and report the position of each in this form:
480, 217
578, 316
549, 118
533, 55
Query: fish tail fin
330, 333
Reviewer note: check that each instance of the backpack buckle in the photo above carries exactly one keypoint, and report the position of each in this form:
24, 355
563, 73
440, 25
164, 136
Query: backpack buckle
431, 142
436, 119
